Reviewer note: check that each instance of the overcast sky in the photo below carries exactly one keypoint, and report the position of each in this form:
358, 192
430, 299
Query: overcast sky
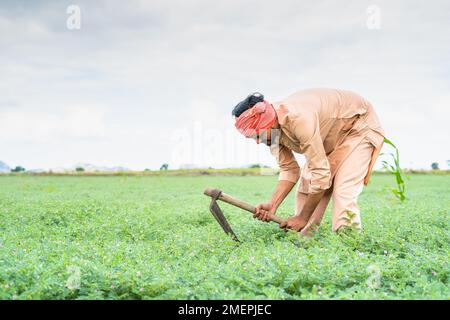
142, 83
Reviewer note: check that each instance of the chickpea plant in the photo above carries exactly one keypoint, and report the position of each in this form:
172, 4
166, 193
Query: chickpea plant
124, 237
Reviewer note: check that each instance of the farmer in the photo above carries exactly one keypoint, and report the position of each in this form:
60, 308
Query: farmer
340, 136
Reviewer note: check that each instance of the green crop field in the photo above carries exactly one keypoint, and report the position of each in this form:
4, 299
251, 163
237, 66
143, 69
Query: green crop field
154, 238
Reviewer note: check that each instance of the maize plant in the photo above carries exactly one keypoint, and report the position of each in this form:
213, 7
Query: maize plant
396, 170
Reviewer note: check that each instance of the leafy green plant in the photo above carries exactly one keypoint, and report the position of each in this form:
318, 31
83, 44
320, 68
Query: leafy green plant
131, 237
396, 170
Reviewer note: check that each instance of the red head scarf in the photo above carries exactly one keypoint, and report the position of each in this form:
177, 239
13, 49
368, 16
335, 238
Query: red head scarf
260, 117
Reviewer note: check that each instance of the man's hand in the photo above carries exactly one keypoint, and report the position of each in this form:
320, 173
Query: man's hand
295, 223
263, 210
281, 191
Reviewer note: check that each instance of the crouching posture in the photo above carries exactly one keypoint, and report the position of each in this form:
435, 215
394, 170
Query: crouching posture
340, 136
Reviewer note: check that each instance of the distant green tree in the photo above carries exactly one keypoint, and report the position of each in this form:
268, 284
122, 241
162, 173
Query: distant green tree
256, 165
435, 166
79, 169
18, 169
164, 166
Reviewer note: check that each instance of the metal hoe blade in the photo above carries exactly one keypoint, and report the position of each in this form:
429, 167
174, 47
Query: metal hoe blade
220, 217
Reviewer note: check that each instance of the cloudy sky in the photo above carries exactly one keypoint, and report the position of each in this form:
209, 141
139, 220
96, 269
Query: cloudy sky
141, 83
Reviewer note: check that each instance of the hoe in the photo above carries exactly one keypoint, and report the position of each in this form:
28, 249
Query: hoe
215, 195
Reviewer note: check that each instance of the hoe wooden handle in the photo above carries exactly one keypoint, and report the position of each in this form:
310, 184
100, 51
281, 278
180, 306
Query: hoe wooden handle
239, 203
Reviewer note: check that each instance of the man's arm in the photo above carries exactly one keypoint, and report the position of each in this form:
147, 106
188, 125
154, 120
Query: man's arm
307, 131
281, 191
311, 203
300, 220
289, 174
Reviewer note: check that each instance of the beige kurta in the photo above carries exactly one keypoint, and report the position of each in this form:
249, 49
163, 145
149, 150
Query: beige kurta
326, 126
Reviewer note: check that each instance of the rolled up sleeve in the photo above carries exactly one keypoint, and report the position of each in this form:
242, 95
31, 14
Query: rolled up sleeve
307, 131
289, 168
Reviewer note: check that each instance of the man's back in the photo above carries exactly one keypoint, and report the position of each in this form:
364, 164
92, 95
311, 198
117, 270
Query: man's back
329, 103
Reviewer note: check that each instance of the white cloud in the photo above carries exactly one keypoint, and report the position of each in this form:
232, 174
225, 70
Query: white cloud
74, 122
137, 71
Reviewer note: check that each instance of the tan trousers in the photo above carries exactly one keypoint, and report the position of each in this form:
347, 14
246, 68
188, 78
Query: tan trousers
347, 186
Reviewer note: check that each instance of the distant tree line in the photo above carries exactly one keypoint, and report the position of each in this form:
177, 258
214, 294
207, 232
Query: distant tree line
164, 166
257, 165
